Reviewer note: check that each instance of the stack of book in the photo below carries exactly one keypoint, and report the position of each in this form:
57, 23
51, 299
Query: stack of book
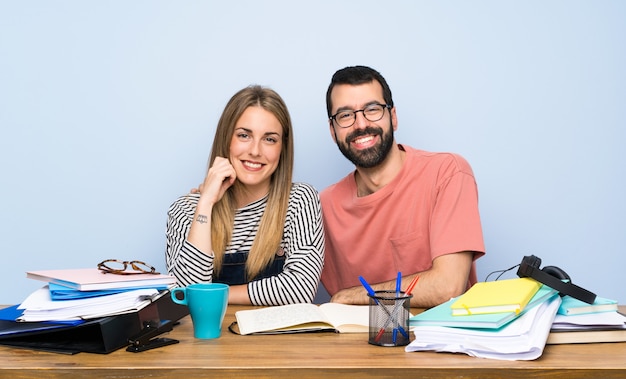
579, 322
86, 310
506, 319
78, 294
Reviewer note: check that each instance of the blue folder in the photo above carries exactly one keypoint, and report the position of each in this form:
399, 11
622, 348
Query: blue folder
10, 327
59, 292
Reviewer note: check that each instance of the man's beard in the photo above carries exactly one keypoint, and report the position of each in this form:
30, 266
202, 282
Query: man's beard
372, 156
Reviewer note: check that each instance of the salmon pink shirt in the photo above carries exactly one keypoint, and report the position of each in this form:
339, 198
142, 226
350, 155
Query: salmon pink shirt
428, 210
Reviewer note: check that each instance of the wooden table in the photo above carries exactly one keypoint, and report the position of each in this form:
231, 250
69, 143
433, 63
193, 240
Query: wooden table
312, 355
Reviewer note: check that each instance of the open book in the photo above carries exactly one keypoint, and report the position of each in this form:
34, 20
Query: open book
304, 317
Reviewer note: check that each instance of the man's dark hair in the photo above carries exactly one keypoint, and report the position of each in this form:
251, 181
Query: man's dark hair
355, 75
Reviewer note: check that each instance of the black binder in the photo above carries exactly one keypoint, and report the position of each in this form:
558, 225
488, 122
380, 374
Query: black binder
101, 335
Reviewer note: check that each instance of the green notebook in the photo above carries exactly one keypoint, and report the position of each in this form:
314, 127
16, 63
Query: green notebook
570, 306
441, 315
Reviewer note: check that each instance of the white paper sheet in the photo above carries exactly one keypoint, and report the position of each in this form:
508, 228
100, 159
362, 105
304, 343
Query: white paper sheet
38, 306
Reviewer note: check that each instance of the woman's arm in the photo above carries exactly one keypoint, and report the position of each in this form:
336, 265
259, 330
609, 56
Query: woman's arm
189, 252
303, 243
183, 260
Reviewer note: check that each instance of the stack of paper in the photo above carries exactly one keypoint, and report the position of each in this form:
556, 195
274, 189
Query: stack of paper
521, 339
75, 294
40, 307
442, 315
589, 321
588, 327
508, 319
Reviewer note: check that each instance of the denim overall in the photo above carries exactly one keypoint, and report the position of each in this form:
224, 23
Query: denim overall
234, 269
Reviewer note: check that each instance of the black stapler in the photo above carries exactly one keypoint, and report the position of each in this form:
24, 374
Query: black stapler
144, 340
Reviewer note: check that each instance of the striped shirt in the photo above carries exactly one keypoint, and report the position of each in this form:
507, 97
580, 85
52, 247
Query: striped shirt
302, 244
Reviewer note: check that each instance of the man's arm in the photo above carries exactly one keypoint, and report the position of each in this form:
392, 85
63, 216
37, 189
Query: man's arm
446, 279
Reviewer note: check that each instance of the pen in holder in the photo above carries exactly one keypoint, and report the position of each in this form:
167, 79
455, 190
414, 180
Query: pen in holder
389, 318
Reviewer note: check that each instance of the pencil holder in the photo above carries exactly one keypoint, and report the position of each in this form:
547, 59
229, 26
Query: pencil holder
389, 314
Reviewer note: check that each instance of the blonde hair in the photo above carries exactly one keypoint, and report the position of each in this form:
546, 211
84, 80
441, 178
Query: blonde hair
269, 235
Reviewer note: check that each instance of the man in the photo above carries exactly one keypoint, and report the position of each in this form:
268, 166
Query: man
401, 210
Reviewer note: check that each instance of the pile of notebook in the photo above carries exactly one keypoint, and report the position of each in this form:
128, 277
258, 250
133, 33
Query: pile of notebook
579, 322
87, 310
514, 319
79, 294
505, 319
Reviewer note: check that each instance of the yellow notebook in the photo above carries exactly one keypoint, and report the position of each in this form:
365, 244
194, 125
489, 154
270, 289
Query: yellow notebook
509, 295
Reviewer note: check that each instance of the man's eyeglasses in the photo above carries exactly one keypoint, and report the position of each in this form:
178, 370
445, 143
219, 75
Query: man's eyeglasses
373, 112
115, 266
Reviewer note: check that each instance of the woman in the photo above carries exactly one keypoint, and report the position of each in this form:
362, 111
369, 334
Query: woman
248, 225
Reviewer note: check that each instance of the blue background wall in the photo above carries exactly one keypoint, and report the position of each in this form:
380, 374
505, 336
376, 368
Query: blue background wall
108, 108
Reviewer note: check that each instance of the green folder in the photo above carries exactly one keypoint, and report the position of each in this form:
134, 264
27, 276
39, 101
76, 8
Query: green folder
441, 315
